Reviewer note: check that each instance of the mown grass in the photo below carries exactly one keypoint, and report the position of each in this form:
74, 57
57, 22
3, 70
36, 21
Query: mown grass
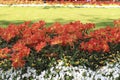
100, 16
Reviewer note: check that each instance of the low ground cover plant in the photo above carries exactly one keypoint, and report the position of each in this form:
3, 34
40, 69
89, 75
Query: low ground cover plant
61, 72
40, 47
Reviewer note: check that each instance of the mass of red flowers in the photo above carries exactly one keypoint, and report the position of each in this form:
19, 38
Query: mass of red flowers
52, 2
37, 37
99, 39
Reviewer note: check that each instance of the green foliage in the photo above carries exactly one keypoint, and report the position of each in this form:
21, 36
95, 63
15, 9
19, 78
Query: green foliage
70, 56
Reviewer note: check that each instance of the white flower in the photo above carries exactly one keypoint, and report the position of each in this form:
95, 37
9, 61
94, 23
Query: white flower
109, 72
99, 77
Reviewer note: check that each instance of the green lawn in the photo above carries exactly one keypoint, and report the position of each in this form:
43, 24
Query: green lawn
100, 16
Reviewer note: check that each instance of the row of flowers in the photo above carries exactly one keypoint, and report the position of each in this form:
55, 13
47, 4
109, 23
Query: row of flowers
61, 72
20, 43
52, 2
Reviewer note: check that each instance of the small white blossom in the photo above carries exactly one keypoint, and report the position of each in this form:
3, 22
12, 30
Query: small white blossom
109, 72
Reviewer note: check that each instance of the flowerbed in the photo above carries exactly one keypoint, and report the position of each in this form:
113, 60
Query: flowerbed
75, 43
82, 4
62, 2
61, 72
